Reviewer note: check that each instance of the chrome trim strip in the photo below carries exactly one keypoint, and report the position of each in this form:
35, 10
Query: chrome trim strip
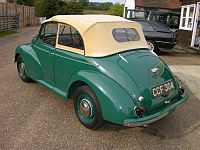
75, 60
124, 59
65, 57
164, 42
40, 48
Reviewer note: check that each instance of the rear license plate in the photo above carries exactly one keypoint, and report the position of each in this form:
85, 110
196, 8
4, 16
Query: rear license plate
163, 89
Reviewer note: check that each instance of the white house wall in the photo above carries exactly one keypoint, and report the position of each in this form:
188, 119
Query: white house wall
129, 4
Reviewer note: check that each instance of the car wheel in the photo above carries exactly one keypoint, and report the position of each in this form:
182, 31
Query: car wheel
87, 107
152, 45
21, 70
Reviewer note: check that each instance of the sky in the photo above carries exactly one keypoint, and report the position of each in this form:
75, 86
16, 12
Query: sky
114, 1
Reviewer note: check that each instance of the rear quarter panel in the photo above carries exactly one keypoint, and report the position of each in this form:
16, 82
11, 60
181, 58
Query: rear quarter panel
116, 104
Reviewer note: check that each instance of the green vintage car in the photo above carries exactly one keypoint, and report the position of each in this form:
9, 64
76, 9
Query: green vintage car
103, 63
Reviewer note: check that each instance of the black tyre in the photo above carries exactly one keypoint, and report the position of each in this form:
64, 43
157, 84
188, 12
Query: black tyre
87, 107
22, 70
152, 46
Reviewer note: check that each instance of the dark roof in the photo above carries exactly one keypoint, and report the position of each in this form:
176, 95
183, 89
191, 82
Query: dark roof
169, 4
156, 25
189, 2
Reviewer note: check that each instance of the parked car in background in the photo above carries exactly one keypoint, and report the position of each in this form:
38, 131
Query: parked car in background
157, 35
170, 19
103, 64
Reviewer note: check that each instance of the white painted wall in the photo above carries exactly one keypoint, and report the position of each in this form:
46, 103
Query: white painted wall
130, 4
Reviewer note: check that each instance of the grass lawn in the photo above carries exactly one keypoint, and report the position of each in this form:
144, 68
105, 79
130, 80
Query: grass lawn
5, 33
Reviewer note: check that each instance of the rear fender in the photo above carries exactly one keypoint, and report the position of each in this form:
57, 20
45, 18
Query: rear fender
116, 105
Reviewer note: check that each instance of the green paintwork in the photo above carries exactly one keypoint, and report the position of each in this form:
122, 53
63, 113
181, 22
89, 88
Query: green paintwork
116, 83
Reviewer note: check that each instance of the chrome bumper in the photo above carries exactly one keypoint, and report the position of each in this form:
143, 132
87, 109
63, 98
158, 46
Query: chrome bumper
135, 124
154, 117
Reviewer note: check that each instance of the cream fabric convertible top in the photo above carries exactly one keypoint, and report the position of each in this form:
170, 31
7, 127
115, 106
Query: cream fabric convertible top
96, 31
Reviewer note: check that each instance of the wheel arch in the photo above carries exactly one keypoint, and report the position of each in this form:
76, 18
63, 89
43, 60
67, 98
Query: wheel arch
153, 40
116, 105
22, 51
16, 56
75, 85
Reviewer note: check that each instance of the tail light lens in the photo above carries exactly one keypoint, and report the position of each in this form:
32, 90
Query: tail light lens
181, 91
139, 111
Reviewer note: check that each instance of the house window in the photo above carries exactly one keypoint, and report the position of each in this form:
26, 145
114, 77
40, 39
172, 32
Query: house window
187, 17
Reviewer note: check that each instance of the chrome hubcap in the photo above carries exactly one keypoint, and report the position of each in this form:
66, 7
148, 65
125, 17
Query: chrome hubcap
85, 108
21, 69
151, 46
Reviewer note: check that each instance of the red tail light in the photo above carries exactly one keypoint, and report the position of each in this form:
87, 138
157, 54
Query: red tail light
139, 111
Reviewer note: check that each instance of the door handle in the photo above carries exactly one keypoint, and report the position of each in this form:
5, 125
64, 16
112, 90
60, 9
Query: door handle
167, 102
51, 53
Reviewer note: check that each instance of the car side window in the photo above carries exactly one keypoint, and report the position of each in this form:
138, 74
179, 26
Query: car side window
48, 33
147, 27
69, 36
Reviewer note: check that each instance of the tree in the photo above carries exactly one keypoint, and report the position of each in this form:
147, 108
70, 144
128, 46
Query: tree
70, 8
100, 6
26, 2
116, 9
47, 8
106, 5
84, 3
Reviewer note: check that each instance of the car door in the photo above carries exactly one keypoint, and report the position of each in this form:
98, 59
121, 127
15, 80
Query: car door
69, 57
42, 69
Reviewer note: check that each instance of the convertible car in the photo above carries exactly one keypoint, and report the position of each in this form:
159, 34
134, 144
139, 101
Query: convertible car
103, 64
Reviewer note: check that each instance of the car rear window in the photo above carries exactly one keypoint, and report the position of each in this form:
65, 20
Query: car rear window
125, 34
147, 27
159, 27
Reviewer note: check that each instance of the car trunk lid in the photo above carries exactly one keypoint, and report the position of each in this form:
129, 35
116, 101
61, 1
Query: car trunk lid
151, 76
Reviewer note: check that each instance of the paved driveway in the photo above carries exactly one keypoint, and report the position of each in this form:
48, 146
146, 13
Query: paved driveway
190, 75
34, 118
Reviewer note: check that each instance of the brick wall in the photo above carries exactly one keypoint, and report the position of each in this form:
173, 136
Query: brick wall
188, 2
166, 4
184, 38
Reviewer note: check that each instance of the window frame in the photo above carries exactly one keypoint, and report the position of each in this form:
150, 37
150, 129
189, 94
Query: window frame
68, 48
41, 29
187, 17
126, 32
